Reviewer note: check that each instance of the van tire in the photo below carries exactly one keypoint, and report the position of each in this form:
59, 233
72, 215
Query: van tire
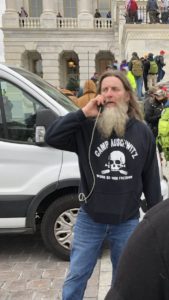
57, 225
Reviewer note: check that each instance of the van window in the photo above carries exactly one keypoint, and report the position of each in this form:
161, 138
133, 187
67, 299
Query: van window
17, 114
47, 88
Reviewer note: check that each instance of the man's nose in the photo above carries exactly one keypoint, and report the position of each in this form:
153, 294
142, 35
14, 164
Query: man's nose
109, 93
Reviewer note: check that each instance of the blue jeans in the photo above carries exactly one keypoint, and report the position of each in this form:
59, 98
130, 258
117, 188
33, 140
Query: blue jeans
86, 248
161, 74
139, 83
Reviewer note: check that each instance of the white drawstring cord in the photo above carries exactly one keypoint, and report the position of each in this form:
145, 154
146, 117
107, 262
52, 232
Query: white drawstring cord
82, 196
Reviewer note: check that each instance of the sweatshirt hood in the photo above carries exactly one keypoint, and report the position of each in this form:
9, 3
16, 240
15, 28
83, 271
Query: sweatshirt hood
89, 87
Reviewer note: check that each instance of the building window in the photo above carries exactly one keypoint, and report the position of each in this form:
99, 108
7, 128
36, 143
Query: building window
35, 8
70, 8
104, 6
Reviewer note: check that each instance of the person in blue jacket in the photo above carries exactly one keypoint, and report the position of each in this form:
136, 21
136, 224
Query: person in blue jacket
117, 161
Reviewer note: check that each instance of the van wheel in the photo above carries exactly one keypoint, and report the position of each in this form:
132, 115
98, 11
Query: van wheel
57, 225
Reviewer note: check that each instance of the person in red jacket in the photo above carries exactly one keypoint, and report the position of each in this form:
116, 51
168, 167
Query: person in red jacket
132, 9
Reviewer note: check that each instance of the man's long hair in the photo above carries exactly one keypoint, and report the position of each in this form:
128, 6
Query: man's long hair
134, 110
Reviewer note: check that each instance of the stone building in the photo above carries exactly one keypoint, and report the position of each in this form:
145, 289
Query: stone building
77, 43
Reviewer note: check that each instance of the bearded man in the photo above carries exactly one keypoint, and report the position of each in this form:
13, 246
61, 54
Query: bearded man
117, 160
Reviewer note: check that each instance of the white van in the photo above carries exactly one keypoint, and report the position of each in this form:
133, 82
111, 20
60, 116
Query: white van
39, 184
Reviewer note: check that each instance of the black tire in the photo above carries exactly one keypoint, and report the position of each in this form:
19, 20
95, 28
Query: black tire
57, 225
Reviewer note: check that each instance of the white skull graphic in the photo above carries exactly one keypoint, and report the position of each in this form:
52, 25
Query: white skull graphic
116, 161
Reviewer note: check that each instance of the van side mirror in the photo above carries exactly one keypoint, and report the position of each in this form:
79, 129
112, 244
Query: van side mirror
44, 118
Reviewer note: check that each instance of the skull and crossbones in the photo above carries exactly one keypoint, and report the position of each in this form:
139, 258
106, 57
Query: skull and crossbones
116, 162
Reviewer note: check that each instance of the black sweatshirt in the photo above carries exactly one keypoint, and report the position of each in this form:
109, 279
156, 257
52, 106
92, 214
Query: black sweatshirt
123, 167
143, 271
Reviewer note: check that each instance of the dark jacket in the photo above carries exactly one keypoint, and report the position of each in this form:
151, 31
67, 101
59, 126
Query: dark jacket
123, 167
97, 14
160, 61
143, 272
146, 66
151, 5
153, 109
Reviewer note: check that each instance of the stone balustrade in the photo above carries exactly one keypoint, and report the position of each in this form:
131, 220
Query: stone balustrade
65, 23
98, 23
29, 22
102, 23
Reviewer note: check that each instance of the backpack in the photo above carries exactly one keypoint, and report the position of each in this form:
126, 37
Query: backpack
160, 61
157, 59
137, 68
163, 132
153, 67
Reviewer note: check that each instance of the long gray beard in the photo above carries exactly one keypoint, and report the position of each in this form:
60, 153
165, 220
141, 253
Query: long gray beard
113, 118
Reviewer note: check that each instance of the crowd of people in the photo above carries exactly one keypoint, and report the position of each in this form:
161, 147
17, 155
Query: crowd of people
143, 73
158, 13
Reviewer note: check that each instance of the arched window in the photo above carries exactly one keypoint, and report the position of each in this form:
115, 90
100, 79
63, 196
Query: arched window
70, 8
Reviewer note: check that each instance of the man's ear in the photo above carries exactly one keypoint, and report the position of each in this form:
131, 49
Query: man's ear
127, 98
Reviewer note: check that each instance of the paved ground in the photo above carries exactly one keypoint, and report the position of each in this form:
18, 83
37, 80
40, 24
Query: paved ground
28, 271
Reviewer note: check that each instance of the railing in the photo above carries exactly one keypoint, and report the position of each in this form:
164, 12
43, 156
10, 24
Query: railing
102, 23
66, 23
29, 22
62, 23
143, 17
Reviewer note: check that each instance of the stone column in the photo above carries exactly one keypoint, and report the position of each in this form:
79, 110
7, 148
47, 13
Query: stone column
59, 7
84, 6
48, 17
114, 11
11, 5
85, 18
2, 11
10, 19
86, 64
26, 6
50, 64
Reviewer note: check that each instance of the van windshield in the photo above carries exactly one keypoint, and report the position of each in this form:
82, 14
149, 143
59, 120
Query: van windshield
47, 88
